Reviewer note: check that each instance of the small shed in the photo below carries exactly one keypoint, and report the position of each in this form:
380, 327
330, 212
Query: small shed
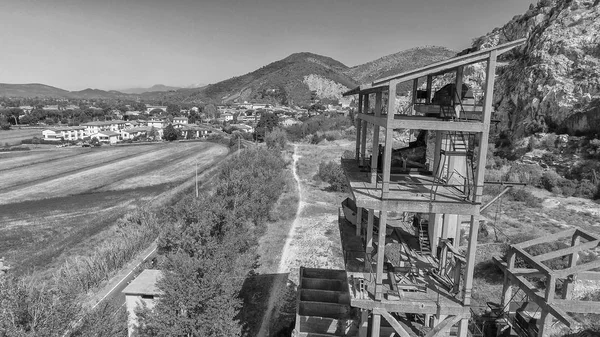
141, 291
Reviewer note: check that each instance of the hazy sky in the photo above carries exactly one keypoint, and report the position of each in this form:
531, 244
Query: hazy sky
111, 44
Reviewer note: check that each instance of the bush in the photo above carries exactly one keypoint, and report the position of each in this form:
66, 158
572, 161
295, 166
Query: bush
530, 174
333, 174
276, 139
550, 179
523, 195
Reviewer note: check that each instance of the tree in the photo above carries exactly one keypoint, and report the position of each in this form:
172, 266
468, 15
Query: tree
211, 111
173, 109
267, 122
153, 133
170, 133
276, 139
95, 142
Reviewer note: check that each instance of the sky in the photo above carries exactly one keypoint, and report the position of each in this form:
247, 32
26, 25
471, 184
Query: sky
117, 44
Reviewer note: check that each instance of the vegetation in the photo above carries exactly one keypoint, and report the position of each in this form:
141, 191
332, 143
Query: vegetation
170, 134
276, 139
332, 173
209, 249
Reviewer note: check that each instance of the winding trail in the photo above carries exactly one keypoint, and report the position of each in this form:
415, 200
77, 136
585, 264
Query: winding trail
285, 252
280, 283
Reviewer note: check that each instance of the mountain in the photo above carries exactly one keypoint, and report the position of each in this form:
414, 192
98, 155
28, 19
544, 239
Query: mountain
291, 80
31, 90
553, 82
156, 87
399, 62
97, 94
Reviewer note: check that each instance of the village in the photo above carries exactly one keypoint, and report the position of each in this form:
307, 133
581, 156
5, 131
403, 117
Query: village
150, 123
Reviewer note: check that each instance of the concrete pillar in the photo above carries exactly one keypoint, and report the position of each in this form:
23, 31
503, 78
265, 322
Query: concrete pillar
375, 325
364, 323
545, 324
358, 220
463, 327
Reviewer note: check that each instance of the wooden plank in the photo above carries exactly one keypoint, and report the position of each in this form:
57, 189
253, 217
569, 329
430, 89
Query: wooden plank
589, 275
581, 307
546, 238
429, 85
358, 128
567, 251
454, 62
432, 123
389, 141
393, 322
586, 235
381, 121
413, 306
573, 270
380, 254
443, 326
529, 259
375, 148
537, 297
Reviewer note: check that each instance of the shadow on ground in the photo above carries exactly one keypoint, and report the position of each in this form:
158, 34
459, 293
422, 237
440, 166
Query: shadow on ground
255, 301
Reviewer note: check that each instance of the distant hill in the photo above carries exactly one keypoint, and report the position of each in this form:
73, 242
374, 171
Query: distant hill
295, 80
291, 80
399, 62
154, 88
32, 90
45, 91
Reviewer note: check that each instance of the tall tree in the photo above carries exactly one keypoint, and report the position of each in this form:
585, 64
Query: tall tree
170, 134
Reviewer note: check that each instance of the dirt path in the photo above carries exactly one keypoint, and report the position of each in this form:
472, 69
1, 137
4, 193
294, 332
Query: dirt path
283, 267
313, 238
280, 283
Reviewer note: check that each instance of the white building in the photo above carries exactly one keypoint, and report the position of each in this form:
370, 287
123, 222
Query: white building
64, 133
142, 291
92, 128
107, 137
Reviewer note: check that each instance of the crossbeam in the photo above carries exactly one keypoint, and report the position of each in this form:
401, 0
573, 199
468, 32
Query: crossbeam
534, 295
443, 326
546, 238
581, 307
531, 260
392, 320
567, 251
582, 267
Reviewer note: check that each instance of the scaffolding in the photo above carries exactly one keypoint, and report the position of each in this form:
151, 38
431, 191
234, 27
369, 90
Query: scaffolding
390, 276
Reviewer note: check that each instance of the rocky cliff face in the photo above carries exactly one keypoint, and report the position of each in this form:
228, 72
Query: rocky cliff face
553, 82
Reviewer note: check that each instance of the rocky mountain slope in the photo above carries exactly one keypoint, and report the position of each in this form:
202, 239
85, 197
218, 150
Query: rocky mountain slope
553, 82
283, 81
399, 62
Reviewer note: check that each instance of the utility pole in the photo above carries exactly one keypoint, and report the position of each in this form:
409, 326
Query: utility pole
196, 179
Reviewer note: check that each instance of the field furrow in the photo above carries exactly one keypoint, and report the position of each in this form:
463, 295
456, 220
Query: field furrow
53, 169
65, 213
21, 159
95, 178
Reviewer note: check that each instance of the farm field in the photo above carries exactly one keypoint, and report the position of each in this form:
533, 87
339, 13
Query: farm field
15, 136
55, 204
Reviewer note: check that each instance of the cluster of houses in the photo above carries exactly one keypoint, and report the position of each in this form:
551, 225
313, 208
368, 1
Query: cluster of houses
116, 131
